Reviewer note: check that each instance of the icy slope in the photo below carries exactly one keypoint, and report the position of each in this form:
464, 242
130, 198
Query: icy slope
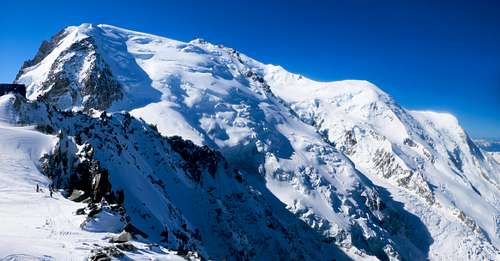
288, 130
427, 153
35, 226
173, 193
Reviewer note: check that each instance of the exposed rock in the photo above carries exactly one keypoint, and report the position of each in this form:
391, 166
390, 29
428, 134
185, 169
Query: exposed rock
96, 90
126, 246
99, 256
13, 88
45, 49
77, 195
197, 158
105, 253
134, 231
80, 211
123, 237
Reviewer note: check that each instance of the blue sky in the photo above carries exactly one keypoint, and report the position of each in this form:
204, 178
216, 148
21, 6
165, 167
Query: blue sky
440, 56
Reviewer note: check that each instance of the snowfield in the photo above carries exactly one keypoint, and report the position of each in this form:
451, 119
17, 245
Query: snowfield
363, 173
33, 225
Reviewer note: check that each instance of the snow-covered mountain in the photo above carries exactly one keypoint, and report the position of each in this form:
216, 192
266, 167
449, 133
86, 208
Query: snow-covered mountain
159, 190
365, 174
488, 144
36, 225
491, 147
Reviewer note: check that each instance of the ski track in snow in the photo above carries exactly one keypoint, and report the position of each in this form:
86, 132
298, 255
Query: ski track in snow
34, 225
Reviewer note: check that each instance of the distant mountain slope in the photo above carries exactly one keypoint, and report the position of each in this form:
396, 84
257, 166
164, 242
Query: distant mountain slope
428, 153
343, 156
491, 147
488, 145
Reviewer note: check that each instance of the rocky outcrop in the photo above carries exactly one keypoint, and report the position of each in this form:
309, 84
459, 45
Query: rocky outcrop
45, 49
95, 87
175, 193
197, 159
78, 172
13, 88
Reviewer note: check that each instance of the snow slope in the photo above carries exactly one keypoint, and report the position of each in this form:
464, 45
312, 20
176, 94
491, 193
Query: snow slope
173, 193
343, 156
33, 225
427, 153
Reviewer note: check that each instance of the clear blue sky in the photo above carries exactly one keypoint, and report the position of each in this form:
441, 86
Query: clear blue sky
441, 56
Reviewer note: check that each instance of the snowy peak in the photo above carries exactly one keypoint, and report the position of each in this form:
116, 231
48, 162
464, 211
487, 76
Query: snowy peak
361, 102
79, 72
419, 151
342, 156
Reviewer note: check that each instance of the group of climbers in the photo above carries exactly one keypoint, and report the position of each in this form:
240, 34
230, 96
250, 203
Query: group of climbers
51, 189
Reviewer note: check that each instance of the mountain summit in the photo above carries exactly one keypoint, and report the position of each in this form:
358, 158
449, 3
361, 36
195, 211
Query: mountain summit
275, 151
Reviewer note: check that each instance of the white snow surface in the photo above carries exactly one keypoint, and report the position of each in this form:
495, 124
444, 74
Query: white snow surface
495, 155
33, 225
328, 150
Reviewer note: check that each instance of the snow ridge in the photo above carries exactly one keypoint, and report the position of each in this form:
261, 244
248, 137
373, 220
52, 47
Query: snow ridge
345, 157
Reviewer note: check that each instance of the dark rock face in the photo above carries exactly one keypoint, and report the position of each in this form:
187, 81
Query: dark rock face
456, 159
13, 88
196, 158
474, 150
97, 89
45, 49
105, 253
91, 177
126, 247
134, 231
81, 173
348, 143
409, 142
387, 165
